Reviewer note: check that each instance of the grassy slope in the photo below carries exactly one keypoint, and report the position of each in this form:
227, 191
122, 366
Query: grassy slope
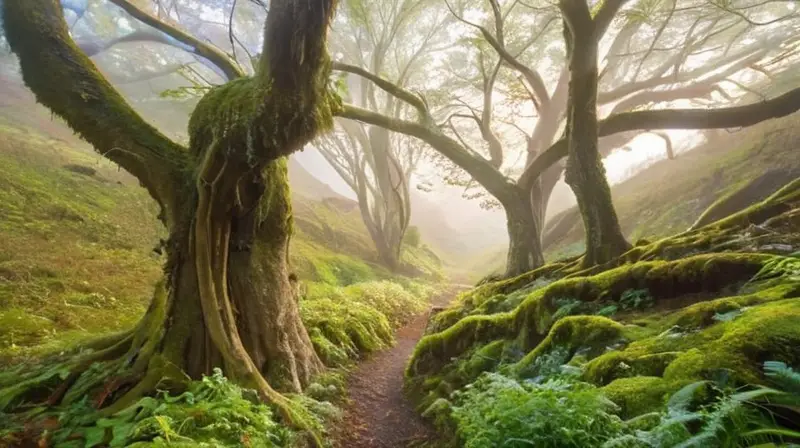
76, 254
669, 196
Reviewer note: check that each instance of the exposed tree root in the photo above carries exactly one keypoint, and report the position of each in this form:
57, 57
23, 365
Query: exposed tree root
211, 235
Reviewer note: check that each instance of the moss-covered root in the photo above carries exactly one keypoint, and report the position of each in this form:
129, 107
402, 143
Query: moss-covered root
530, 322
592, 333
638, 376
778, 212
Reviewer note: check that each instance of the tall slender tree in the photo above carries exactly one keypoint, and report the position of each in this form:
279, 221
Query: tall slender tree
394, 37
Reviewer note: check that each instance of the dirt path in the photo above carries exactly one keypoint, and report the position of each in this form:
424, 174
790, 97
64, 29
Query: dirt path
379, 415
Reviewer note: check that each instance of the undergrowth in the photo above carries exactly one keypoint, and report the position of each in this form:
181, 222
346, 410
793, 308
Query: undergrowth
350, 322
561, 411
212, 412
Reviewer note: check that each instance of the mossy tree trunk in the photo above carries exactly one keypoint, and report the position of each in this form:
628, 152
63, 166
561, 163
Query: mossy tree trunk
585, 173
228, 300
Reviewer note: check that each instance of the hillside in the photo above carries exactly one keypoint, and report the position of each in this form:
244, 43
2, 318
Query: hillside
670, 195
78, 241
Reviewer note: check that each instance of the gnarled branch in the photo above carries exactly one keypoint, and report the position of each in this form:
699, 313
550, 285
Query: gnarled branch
66, 81
727, 117
229, 67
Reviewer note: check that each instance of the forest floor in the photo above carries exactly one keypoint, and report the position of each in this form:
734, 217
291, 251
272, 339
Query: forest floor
378, 414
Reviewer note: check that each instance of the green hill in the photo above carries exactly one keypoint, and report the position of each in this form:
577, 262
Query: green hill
78, 241
671, 195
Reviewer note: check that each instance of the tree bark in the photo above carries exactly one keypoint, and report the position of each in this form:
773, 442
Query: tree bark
524, 247
228, 299
585, 173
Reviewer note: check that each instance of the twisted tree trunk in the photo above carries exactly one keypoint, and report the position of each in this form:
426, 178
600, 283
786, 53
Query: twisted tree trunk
227, 300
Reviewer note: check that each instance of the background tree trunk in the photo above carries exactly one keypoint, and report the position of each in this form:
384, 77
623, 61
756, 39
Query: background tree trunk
524, 248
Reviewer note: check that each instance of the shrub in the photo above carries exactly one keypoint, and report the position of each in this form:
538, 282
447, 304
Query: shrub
390, 298
500, 411
412, 237
343, 331
347, 322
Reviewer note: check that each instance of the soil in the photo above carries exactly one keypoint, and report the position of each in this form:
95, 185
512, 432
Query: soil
378, 414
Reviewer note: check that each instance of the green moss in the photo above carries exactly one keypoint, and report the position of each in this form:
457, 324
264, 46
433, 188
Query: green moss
531, 320
682, 328
640, 394
484, 359
734, 349
592, 333
767, 331
251, 121
620, 364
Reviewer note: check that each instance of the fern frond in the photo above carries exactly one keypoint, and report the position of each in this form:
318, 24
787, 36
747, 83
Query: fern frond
783, 375
680, 400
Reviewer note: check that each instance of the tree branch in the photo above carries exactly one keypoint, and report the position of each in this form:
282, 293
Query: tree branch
532, 76
388, 87
213, 54
605, 15
65, 81
728, 117
756, 52
477, 167
699, 88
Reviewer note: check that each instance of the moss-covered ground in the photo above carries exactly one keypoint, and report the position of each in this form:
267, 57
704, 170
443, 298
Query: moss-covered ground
708, 306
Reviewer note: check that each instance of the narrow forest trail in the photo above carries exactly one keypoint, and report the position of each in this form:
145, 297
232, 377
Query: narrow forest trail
379, 415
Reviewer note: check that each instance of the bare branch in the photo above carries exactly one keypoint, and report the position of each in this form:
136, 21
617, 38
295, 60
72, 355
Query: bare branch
729, 117
744, 17
532, 76
667, 144
228, 66
390, 88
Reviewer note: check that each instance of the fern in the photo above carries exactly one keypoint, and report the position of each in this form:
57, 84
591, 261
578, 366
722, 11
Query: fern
502, 412
783, 376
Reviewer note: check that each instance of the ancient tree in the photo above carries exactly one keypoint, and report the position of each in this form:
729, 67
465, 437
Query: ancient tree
396, 38
688, 54
227, 298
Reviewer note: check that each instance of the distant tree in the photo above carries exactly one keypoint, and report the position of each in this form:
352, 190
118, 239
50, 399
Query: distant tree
658, 53
396, 38
227, 299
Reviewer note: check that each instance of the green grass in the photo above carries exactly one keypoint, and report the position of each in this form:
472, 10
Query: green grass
76, 250
669, 196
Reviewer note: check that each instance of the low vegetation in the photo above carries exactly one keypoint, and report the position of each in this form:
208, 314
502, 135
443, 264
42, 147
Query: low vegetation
707, 310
